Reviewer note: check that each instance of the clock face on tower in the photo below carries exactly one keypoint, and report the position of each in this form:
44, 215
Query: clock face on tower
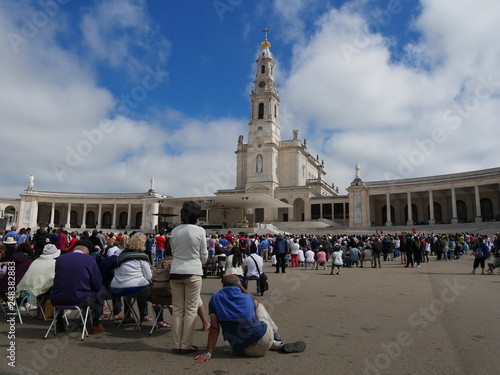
262, 84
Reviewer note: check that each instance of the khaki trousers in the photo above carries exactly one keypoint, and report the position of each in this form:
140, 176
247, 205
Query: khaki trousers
267, 342
185, 296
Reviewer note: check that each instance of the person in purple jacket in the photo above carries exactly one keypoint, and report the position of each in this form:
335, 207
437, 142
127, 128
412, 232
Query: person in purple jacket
78, 282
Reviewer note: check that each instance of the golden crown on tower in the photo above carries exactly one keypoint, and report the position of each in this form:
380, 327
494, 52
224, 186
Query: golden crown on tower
265, 43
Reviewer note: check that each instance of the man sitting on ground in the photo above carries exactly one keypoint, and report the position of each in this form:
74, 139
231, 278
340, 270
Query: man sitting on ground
245, 323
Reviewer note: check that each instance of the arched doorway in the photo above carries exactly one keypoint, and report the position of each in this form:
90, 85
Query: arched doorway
10, 215
414, 213
138, 219
461, 211
90, 219
57, 218
122, 221
298, 210
384, 214
107, 220
73, 219
438, 213
487, 209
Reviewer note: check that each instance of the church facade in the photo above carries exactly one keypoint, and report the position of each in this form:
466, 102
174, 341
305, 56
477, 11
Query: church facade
277, 181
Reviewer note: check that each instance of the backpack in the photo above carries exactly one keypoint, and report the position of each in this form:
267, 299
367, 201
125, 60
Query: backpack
161, 292
478, 253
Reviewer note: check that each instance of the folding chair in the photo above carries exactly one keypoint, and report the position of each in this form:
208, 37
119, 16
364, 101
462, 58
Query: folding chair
12, 307
367, 257
129, 301
111, 313
39, 306
64, 308
39, 300
155, 322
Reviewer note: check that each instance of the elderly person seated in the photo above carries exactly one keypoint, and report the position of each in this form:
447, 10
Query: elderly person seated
22, 259
39, 277
78, 282
133, 276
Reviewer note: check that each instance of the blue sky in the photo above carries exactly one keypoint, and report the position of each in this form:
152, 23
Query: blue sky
99, 96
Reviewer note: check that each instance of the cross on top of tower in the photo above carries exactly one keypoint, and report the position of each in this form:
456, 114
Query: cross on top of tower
265, 31
265, 43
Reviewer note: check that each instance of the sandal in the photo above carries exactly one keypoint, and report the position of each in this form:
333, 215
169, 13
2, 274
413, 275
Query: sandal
146, 319
164, 325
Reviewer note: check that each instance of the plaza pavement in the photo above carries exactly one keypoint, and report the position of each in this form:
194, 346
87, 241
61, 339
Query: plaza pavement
436, 319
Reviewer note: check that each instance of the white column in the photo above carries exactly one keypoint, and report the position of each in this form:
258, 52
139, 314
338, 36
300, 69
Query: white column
307, 211
84, 218
431, 209
479, 215
99, 217
143, 219
410, 211
388, 223
129, 215
68, 217
33, 213
52, 214
113, 222
454, 218
365, 209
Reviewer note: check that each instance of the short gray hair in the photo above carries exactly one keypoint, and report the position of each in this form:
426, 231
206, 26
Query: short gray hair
231, 280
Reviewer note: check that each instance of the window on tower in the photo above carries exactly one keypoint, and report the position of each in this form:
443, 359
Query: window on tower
261, 111
263, 69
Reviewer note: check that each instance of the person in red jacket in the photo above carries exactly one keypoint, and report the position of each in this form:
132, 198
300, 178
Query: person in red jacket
160, 247
62, 240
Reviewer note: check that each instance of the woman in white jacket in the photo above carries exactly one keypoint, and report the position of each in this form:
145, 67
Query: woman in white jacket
132, 276
189, 249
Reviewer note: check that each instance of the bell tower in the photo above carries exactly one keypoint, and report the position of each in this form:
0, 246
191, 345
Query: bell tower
258, 159
264, 99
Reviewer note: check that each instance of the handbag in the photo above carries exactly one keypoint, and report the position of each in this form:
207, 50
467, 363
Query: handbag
160, 289
264, 283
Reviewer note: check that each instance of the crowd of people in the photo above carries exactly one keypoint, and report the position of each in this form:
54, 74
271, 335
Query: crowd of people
92, 267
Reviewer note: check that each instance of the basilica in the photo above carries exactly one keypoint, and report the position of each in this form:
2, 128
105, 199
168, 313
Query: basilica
278, 182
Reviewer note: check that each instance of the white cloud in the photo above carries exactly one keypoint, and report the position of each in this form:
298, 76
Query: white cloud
400, 119
121, 33
56, 125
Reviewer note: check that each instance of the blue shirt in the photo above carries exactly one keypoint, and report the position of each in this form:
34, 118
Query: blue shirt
12, 234
235, 311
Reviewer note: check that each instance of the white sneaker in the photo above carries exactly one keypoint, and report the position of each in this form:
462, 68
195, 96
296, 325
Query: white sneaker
30, 307
27, 307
